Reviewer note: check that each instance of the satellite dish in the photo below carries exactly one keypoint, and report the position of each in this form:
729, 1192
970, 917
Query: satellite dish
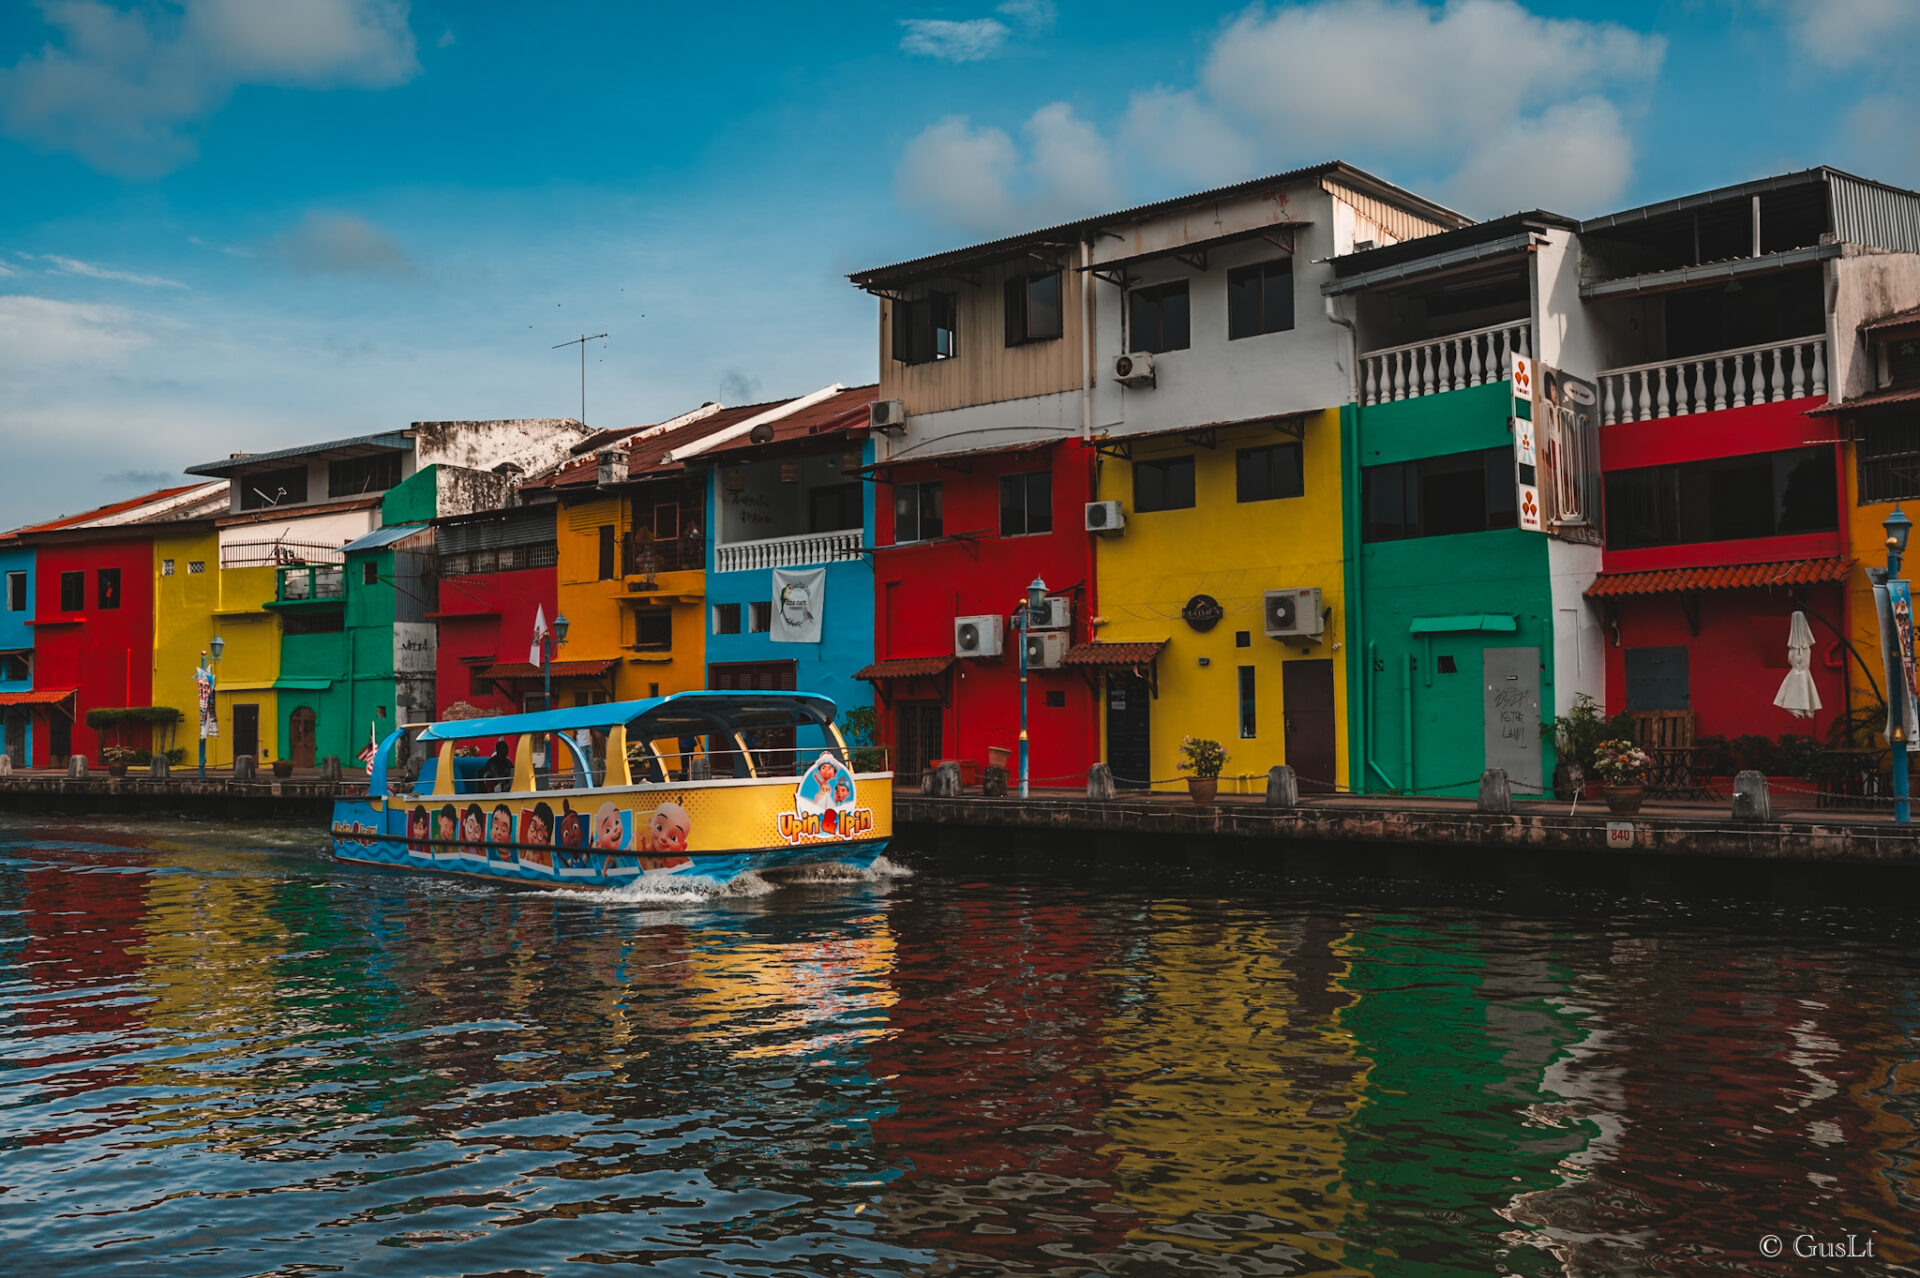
761, 434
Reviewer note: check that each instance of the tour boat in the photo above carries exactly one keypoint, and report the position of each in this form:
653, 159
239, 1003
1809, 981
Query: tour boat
748, 781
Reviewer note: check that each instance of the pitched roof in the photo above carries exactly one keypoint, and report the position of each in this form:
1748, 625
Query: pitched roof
129, 506
389, 441
1879, 399
1112, 654
1674, 581
1899, 319
841, 416
905, 668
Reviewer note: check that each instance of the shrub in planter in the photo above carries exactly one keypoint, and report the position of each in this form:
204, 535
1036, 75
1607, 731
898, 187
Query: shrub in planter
1623, 766
1204, 758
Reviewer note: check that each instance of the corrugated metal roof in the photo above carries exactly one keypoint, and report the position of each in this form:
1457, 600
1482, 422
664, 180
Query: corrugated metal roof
384, 537
1899, 319
905, 668
845, 414
1112, 654
386, 441
1670, 581
1877, 400
102, 512
1866, 212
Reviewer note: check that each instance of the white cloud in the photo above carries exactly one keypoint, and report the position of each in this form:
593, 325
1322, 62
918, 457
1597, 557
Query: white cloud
968, 41
1575, 156
1174, 132
1844, 33
1070, 166
94, 271
1035, 17
341, 244
960, 174
37, 333
125, 90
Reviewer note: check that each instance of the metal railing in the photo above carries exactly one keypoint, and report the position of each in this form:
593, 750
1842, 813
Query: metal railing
1764, 374
1437, 364
788, 552
269, 554
644, 556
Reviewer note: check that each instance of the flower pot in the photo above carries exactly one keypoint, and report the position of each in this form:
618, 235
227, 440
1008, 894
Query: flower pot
1203, 789
283, 768
1622, 800
116, 769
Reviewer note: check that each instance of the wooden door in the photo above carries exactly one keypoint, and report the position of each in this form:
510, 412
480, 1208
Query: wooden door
1306, 693
246, 730
1129, 731
919, 739
17, 738
300, 736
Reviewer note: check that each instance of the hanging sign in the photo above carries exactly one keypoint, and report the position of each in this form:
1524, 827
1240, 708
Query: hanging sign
1530, 520
203, 690
1203, 613
1523, 454
799, 598
1521, 374
1899, 595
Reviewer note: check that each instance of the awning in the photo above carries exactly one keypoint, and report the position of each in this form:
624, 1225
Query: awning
384, 537
962, 459
1467, 621
37, 697
1111, 655
905, 668
290, 685
1880, 399
1676, 581
560, 669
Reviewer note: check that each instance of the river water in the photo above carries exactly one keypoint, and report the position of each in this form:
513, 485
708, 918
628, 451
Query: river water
222, 1054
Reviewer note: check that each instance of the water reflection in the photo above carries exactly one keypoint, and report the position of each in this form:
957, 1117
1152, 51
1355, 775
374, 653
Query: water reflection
218, 1057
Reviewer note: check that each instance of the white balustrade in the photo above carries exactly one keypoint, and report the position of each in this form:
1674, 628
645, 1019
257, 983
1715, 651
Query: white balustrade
1441, 364
787, 552
1766, 374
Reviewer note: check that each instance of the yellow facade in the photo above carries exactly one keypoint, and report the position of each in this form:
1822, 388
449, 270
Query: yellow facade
191, 607
1868, 543
1234, 552
600, 612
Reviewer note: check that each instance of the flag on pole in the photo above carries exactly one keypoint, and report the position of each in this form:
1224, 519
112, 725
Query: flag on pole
373, 746
539, 635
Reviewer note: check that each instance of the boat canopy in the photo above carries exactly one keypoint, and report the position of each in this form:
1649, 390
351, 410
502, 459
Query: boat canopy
684, 714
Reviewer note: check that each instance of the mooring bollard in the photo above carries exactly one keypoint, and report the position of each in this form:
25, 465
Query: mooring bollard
1495, 794
6, 765
245, 767
330, 768
77, 767
159, 768
1100, 782
1283, 787
993, 783
946, 781
1751, 801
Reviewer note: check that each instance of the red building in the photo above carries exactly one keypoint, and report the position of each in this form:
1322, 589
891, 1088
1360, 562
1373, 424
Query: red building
1719, 527
496, 571
960, 537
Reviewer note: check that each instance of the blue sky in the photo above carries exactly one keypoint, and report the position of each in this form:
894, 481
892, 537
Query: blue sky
234, 225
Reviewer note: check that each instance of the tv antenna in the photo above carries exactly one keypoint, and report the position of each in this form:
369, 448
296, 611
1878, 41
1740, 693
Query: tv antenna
581, 341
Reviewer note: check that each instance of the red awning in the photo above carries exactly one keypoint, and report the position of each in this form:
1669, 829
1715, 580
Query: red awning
905, 668
38, 697
1108, 655
561, 670
1677, 581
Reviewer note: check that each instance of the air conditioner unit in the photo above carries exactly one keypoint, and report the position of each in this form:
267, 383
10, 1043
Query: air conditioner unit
1135, 368
888, 414
1059, 614
1045, 648
1105, 517
978, 636
1295, 614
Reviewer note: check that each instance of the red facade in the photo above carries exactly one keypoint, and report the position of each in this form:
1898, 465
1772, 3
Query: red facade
104, 648
969, 569
1734, 640
487, 619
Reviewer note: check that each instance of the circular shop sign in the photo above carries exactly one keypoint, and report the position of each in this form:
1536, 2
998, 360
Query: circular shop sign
1203, 613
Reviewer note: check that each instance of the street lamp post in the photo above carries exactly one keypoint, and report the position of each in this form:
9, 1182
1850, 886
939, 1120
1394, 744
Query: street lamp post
1026, 615
203, 685
549, 645
1898, 528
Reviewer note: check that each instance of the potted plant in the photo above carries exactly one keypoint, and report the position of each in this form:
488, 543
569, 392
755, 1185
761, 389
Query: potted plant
1204, 758
1622, 766
1575, 734
283, 768
117, 758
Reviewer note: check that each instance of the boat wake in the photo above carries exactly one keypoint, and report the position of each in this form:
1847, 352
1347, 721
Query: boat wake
678, 889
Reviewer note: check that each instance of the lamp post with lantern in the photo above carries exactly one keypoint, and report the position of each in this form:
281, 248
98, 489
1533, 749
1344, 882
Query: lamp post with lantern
1029, 613
550, 642
1898, 528
203, 680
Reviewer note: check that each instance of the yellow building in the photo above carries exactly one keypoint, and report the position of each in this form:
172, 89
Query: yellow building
194, 600
1216, 520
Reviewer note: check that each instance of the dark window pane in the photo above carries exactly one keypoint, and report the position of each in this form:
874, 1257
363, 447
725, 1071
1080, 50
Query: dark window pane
931, 523
1243, 302
1260, 299
1808, 499
923, 328
1383, 498
1158, 318
1043, 306
1013, 506
1903, 361
1165, 484
1263, 474
73, 592
1453, 498
263, 490
608, 568
357, 475
1040, 501
108, 587
1503, 497
906, 513
1725, 499
1279, 295
653, 630
726, 619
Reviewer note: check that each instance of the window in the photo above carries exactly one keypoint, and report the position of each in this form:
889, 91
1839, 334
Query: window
916, 512
835, 507
1033, 308
166, 567
609, 553
107, 588
370, 573
195, 567
1263, 474
323, 621
1903, 361
1165, 484
726, 619
478, 685
1246, 701
1026, 503
16, 592
1724, 499
923, 329
1157, 318
1260, 299
653, 630
269, 488
1437, 496
73, 592
1056, 698
1243, 638
15, 667
1887, 460
666, 521
358, 475
760, 617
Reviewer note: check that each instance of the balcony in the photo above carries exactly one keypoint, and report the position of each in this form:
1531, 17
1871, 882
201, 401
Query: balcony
788, 552
1453, 362
317, 584
649, 556
1765, 374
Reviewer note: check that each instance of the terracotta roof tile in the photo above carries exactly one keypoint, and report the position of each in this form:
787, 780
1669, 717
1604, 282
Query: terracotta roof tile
1112, 654
38, 697
561, 670
905, 668
102, 512
1672, 581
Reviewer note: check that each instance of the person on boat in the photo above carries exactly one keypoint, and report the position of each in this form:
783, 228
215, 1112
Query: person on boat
497, 775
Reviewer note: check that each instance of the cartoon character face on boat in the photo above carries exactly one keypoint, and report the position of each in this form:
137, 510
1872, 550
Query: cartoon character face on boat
573, 827
472, 824
536, 827
668, 829
418, 825
826, 770
501, 830
607, 833
842, 794
446, 824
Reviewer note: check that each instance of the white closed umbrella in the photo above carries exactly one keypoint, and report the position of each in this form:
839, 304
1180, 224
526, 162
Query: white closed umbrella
1797, 695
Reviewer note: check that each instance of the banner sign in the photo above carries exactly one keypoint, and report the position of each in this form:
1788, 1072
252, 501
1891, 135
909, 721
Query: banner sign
1899, 596
203, 688
799, 597
1525, 453
1530, 520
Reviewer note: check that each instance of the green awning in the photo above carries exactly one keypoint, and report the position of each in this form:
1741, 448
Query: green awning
302, 685
1498, 621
